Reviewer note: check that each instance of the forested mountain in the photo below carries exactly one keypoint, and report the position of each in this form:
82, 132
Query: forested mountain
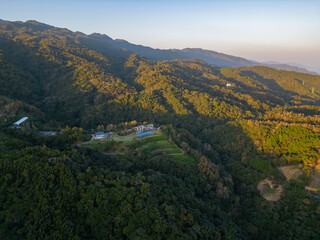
215, 58
211, 57
238, 124
288, 68
148, 52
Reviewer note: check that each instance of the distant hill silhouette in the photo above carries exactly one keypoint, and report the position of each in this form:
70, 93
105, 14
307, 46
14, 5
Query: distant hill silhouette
216, 58
209, 56
289, 68
123, 48
151, 53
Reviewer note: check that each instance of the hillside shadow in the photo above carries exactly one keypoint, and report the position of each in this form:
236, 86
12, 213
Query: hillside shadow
306, 111
266, 90
273, 86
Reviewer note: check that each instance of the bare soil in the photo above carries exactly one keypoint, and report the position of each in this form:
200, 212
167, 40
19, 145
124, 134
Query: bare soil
269, 190
290, 172
315, 178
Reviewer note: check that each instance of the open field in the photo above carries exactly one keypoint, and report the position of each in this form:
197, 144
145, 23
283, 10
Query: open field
124, 139
290, 172
269, 190
161, 147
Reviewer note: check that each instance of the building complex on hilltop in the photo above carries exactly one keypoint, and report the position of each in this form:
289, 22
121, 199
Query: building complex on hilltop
144, 128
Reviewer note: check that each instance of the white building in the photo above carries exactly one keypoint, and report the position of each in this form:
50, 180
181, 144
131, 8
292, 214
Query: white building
17, 123
144, 128
149, 127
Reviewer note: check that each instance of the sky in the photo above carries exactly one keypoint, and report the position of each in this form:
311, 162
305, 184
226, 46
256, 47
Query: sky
286, 31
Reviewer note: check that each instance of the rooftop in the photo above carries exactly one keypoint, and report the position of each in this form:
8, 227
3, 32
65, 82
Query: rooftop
99, 133
20, 121
47, 132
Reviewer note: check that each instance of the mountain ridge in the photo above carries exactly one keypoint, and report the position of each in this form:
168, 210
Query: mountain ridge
210, 56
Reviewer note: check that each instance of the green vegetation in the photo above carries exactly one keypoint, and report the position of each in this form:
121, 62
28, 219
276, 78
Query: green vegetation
107, 146
161, 146
153, 146
185, 158
269, 191
230, 140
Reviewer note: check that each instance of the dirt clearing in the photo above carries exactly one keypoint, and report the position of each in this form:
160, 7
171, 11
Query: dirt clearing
269, 190
290, 172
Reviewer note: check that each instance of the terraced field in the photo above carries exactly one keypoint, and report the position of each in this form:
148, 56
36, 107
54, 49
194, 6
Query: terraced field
161, 147
290, 172
153, 146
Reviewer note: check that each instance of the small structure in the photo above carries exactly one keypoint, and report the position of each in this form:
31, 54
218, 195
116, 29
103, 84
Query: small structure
125, 131
47, 133
144, 128
228, 85
100, 135
149, 127
139, 128
17, 123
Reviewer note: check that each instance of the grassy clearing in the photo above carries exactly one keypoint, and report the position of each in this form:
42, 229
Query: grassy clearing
162, 144
157, 144
124, 139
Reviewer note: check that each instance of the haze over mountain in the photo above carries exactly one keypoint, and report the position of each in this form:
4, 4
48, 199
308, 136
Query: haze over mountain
236, 156
211, 57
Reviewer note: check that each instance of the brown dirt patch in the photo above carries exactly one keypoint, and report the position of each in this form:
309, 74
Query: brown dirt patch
290, 172
269, 190
315, 178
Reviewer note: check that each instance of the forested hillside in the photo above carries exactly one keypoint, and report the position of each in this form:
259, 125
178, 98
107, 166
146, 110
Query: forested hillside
238, 124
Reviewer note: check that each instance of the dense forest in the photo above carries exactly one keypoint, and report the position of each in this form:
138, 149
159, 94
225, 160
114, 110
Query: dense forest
238, 124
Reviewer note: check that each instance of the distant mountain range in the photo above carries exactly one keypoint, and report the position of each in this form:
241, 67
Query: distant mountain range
211, 57
124, 47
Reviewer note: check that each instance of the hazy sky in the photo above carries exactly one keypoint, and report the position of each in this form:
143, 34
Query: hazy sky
265, 30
